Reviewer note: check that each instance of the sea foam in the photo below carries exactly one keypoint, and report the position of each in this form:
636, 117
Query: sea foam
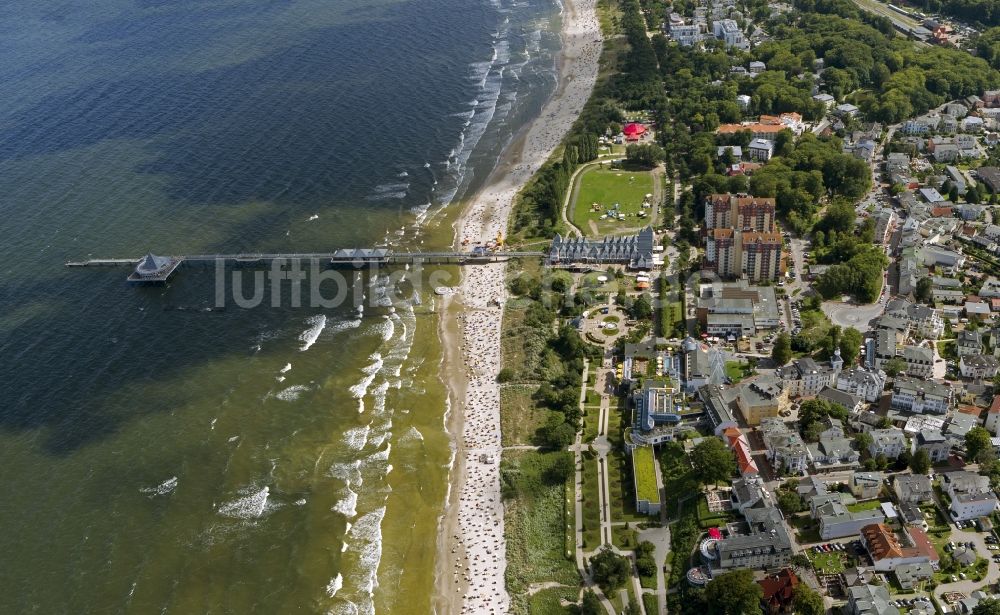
310, 335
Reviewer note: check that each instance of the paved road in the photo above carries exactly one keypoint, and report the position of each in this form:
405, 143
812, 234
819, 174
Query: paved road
852, 314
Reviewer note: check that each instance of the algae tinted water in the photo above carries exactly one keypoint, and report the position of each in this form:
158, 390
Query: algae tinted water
160, 457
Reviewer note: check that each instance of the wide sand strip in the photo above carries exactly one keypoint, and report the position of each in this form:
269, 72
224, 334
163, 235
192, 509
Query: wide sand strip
471, 546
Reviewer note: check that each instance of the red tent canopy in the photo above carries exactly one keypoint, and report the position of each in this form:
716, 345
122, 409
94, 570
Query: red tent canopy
633, 129
713, 532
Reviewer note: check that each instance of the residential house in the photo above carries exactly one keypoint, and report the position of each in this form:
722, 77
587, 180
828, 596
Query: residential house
740, 445
761, 150
922, 320
957, 178
978, 366
913, 488
728, 31
911, 577
968, 506
735, 150
846, 110
972, 124
833, 451
989, 176
889, 442
920, 396
869, 600
863, 383
805, 377
919, 361
968, 343
779, 591
836, 521
993, 416
866, 485
686, 35
889, 551
851, 403
785, 449
958, 425
937, 446
970, 493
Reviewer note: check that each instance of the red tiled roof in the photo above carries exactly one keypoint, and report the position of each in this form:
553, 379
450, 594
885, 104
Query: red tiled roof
882, 543
972, 410
922, 544
995, 406
779, 588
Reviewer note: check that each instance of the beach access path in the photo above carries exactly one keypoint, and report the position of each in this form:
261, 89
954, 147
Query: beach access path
471, 562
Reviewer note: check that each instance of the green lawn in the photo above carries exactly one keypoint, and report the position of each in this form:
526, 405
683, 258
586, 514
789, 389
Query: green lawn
591, 509
592, 415
828, 563
862, 506
624, 538
607, 187
645, 474
736, 370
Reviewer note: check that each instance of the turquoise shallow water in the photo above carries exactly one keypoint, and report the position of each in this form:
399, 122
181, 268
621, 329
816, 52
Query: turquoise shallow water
160, 457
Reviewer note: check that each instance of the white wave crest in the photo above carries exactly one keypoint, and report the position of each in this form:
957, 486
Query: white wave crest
163, 488
348, 505
250, 506
310, 335
335, 584
357, 437
292, 393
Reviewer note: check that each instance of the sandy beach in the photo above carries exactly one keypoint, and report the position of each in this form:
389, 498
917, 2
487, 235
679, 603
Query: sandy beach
471, 561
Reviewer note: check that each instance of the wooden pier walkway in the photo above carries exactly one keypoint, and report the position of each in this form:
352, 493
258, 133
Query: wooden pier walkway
333, 258
158, 269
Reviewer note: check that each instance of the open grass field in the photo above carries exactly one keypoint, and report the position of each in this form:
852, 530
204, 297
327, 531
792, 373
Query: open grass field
606, 187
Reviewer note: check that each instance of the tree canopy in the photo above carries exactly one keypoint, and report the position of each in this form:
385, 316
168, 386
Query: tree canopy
734, 593
781, 352
977, 442
610, 570
807, 601
712, 461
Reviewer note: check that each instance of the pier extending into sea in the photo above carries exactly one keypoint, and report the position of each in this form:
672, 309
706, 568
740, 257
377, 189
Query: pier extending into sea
157, 269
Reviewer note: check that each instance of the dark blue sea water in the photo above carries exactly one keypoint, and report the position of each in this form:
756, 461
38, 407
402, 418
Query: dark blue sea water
159, 457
